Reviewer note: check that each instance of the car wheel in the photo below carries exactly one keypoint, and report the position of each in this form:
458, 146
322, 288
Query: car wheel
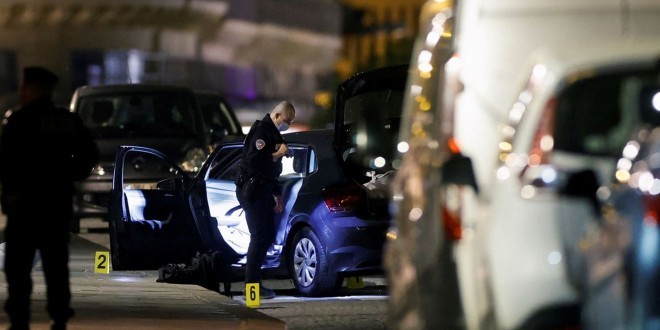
308, 265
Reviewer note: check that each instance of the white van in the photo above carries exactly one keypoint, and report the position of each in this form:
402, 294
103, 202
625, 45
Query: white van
506, 252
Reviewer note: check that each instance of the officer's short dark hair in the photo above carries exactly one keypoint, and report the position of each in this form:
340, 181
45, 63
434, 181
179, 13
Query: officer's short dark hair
40, 76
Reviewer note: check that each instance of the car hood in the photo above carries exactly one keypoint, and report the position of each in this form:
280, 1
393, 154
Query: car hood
174, 147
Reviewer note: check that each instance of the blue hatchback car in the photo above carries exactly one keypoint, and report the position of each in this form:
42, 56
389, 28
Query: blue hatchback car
335, 217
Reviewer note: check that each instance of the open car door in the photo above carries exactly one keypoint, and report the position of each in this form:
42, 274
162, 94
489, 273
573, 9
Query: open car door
150, 225
217, 212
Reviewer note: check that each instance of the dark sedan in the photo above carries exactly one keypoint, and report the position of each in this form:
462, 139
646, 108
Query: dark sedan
335, 216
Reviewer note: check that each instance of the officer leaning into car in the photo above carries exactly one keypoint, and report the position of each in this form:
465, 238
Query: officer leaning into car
43, 150
257, 186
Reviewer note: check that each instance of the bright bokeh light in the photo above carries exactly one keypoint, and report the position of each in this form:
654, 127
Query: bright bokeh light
415, 214
525, 97
528, 191
517, 112
361, 139
554, 258
379, 162
505, 146
656, 101
403, 147
415, 90
646, 181
433, 37
631, 150
603, 193
624, 164
547, 142
503, 173
622, 175
539, 71
549, 175
508, 131
655, 188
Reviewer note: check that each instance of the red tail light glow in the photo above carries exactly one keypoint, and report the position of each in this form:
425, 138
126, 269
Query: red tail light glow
652, 213
343, 198
450, 205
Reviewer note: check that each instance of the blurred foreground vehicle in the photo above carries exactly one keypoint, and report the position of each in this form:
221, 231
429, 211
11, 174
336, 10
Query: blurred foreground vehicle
597, 138
335, 215
496, 251
182, 123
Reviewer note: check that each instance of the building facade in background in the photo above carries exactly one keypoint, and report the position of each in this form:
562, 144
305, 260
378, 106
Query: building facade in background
255, 51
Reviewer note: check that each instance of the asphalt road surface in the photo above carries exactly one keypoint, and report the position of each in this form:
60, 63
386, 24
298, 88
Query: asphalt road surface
352, 308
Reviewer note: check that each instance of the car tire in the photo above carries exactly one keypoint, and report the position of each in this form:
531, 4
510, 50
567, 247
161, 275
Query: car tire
308, 265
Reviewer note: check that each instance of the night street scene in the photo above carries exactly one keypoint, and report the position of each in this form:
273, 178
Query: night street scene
330, 164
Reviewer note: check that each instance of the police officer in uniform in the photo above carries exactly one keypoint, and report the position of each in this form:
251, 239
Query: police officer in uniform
257, 188
43, 150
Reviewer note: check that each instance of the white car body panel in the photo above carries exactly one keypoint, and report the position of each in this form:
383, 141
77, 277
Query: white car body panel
510, 238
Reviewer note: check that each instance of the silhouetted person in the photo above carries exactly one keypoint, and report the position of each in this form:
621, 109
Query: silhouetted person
258, 190
43, 150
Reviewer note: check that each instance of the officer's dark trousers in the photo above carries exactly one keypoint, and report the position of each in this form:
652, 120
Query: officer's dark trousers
260, 218
45, 227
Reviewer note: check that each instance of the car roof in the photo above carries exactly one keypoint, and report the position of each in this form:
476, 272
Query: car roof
102, 89
565, 61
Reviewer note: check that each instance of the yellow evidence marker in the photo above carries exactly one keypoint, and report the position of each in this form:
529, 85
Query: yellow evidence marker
252, 298
102, 262
355, 282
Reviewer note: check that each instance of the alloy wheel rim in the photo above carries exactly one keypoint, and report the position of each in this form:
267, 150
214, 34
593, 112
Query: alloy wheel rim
304, 262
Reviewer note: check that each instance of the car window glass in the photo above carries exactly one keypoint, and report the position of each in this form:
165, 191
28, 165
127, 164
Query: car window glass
374, 118
597, 115
138, 114
224, 165
386, 104
217, 114
312, 166
146, 171
297, 164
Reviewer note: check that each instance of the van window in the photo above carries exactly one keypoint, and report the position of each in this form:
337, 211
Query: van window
597, 115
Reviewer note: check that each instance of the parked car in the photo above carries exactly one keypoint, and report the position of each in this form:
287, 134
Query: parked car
610, 114
538, 254
335, 215
183, 123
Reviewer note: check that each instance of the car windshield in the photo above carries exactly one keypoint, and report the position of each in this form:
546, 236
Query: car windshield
598, 115
138, 114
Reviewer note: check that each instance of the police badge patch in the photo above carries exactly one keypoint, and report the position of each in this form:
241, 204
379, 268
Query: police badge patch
260, 144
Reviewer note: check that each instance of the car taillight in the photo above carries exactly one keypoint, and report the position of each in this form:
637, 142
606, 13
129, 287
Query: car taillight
450, 206
543, 137
652, 212
343, 198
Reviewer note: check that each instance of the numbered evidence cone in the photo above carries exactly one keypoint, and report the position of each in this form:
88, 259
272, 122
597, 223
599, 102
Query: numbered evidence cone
252, 298
355, 282
102, 262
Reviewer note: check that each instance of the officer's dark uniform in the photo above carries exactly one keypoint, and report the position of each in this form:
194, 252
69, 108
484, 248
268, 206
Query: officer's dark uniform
43, 150
257, 163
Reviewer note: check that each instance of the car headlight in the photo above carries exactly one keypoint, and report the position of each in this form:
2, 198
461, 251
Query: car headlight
102, 169
193, 160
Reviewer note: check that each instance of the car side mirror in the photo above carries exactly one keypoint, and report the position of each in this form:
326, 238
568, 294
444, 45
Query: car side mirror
458, 170
580, 183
